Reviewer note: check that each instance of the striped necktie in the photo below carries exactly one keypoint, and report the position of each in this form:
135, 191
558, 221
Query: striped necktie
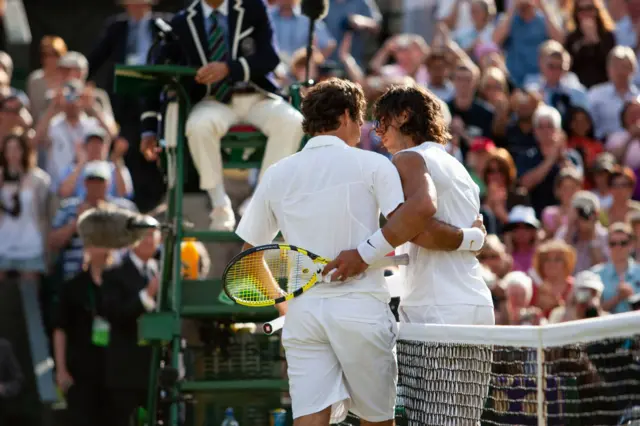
218, 52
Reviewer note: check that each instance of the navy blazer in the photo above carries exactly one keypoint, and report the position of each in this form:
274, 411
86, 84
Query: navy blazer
253, 55
112, 44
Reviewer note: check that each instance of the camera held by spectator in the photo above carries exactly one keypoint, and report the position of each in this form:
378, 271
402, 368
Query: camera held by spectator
584, 301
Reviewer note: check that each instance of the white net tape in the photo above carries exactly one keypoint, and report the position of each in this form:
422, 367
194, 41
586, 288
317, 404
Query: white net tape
577, 373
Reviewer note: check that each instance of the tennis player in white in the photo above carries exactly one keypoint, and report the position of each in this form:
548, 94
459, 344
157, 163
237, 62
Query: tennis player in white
440, 287
339, 337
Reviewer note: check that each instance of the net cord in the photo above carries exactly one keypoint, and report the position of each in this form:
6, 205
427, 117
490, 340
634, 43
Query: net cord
546, 336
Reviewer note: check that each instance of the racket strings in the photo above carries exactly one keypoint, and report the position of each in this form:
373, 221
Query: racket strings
263, 276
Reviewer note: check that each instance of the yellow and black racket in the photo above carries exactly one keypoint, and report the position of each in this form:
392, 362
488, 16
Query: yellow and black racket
274, 273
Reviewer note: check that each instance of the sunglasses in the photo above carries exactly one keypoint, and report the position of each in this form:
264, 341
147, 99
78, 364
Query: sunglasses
621, 243
492, 170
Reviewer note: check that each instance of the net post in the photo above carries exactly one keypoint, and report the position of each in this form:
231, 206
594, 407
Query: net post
540, 380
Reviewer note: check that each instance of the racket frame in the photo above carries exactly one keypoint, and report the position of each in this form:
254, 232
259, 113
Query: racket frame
314, 257
387, 261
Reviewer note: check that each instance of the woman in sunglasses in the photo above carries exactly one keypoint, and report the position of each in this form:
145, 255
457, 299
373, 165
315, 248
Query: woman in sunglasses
621, 275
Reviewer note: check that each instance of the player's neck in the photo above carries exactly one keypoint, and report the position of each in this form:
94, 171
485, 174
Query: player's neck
214, 3
339, 133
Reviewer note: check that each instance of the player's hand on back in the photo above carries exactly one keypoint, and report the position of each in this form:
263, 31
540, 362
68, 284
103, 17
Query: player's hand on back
348, 264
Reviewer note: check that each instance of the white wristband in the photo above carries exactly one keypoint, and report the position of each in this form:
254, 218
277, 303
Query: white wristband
472, 239
374, 248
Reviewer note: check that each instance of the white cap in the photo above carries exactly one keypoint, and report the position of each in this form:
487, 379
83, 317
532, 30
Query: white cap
590, 280
97, 169
522, 214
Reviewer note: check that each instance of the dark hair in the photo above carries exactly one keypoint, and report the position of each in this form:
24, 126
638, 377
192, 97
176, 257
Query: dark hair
327, 101
425, 120
571, 114
28, 157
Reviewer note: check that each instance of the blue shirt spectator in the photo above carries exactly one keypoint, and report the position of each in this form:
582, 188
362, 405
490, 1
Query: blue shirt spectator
620, 276
611, 281
64, 236
112, 190
340, 20
292, 31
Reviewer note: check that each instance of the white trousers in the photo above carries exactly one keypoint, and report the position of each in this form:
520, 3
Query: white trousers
210, 120
454, 378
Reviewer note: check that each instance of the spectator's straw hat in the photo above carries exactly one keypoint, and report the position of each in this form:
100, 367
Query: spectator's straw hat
623, 227
590, 280
604, 162
522, 215
586, 201
73, 60
96, 133
97, 170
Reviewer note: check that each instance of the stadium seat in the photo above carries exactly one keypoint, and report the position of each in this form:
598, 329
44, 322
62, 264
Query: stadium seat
243, 147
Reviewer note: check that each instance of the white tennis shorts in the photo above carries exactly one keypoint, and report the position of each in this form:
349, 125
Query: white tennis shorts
462, 384
341, 353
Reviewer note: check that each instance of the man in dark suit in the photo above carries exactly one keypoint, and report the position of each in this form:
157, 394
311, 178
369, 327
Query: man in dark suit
126, 39
128, 291
231, 43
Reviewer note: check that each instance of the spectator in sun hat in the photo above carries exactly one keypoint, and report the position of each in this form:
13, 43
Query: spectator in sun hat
585, 232
621, 275
521, 236
599, 173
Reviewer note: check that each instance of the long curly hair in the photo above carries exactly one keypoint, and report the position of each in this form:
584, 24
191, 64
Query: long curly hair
425, 120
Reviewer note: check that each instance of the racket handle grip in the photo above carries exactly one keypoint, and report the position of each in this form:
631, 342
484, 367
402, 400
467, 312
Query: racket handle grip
272, 326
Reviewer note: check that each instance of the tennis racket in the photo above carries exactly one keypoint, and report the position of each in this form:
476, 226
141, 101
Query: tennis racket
274, 273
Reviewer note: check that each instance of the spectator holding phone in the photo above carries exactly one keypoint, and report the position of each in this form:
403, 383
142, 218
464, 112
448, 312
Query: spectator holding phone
621, 275
584, 300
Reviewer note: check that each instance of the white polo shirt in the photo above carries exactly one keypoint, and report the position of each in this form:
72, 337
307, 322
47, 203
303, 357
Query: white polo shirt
63, 138
439, 277
326, 198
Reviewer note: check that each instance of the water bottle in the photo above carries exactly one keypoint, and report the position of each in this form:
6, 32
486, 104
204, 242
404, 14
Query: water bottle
190, 259
229, 420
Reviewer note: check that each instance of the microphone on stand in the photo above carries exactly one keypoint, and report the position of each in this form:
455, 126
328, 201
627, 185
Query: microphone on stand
164, 33
315, 10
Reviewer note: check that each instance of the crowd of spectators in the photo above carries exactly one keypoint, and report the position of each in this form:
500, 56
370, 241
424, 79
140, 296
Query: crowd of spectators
541, 98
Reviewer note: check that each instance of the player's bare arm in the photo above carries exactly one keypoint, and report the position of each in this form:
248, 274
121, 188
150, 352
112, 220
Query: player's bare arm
406, 222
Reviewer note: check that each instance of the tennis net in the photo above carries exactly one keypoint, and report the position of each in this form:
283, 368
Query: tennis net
572, 374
